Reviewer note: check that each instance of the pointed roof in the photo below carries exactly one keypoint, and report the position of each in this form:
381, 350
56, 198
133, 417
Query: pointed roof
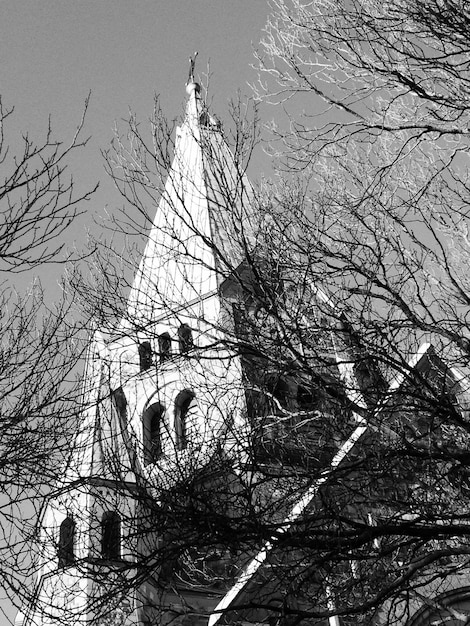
199, 231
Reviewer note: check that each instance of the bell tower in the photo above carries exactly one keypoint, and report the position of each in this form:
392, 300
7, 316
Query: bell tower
87, 554
161, 392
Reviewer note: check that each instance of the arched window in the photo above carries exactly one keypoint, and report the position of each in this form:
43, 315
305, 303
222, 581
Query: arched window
145, 356
446, 609
111, 535
185, 338
151, 431
164, 346
183, 403
66, 542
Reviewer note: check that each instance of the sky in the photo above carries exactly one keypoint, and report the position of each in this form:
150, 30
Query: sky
53, 53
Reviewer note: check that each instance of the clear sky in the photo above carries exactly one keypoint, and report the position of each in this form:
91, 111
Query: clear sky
54, 52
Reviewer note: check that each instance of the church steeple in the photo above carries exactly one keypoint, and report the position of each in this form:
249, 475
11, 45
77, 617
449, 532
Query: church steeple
196, 237
154, 410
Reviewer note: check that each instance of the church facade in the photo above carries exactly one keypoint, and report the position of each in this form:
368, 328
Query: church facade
172, 504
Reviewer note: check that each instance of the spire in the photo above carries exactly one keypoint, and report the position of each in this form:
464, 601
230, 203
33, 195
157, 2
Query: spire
199, 222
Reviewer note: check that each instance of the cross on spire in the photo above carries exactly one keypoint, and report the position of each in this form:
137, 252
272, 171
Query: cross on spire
192, 63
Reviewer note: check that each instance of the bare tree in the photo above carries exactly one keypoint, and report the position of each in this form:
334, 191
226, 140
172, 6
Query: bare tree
40, 342
385, 139
336, 488
344, 305
383, 146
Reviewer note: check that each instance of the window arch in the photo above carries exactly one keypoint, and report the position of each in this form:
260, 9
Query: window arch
151, 432
442, 610
111, 535
183, 403
185, 338
145, 356
164, 346
66, 542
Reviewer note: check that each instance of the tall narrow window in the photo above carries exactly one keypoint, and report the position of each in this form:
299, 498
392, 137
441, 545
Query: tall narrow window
111, 535
185, 338
183, 403
164, 346
145, 356
66, 542
151, 431
120, 402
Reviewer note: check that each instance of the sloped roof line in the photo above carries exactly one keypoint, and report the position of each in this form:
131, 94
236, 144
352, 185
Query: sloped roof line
297, 510
399, 379
294, 514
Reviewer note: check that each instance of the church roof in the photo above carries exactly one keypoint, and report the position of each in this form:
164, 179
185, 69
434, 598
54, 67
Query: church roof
425, 360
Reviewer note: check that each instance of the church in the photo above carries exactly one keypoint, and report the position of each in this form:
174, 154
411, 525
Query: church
225, 469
